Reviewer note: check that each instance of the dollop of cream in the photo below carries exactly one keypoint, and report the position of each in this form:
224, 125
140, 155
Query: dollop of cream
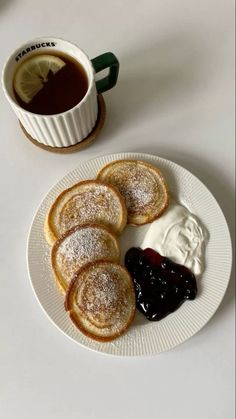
180, 236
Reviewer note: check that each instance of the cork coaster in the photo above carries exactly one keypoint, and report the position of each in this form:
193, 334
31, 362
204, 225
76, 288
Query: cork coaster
80, 145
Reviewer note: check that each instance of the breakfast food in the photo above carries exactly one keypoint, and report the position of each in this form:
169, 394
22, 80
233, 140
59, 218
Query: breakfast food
161, 285
82, 225
142, 186
180, 236
101, 300
89, 201
78, 247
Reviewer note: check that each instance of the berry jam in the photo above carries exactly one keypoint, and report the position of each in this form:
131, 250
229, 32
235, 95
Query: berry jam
161, 286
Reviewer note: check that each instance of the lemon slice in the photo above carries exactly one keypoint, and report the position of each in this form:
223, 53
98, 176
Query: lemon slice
33, 74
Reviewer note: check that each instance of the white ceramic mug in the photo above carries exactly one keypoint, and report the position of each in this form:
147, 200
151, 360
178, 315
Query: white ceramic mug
70, 127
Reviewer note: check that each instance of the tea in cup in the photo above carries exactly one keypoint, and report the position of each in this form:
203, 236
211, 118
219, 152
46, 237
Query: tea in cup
50, 84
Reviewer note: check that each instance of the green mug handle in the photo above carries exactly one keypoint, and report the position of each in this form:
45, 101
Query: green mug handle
106, 60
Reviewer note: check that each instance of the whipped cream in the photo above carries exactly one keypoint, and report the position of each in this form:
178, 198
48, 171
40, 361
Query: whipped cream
180, 236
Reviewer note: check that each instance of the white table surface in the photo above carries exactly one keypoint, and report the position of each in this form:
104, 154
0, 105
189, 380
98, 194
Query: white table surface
175, 99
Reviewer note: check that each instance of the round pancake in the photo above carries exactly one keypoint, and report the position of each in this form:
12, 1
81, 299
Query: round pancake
142, 186
78, 247
101, 300
89, 201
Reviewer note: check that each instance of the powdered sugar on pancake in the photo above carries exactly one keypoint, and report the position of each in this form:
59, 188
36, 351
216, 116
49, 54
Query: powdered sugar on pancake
105, 298
82, 246
136, 187
96, 204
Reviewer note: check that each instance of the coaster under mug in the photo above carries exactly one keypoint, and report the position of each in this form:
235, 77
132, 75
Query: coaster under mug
81, 144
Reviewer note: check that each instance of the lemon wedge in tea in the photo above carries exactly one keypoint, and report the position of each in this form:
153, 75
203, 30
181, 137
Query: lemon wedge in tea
33, 73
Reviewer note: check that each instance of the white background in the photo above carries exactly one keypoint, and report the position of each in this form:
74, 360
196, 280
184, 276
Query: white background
175, 99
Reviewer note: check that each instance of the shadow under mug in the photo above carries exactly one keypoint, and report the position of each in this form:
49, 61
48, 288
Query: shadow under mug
74, 125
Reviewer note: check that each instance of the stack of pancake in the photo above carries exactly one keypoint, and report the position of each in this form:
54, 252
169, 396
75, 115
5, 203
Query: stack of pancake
82, 227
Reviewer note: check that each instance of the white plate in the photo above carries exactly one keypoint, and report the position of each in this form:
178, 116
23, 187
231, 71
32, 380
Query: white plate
143, 337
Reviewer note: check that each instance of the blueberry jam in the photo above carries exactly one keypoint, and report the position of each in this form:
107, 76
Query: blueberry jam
161, 286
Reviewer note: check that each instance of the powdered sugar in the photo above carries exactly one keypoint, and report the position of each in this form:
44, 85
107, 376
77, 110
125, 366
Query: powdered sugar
102, 293
105, 298
94, 204
137, 195
85, 245
137, 186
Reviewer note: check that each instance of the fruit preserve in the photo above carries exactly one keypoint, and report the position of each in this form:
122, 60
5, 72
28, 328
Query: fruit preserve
161, 285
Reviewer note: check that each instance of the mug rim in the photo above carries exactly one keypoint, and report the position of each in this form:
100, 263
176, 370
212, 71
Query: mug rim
39, 39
